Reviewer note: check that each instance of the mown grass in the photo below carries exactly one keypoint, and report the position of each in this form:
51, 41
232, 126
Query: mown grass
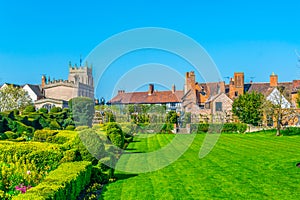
258, 166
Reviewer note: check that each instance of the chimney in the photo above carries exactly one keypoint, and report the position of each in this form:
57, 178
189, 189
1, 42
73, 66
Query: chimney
151, 89
273, 80
43, 81
173, 89
121, 91
239, 79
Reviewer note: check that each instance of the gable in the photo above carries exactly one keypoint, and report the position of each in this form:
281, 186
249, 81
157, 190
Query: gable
277, 98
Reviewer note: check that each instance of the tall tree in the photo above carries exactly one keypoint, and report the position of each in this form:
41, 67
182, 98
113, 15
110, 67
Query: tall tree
248, 108
13, 98
83, 110
279, 109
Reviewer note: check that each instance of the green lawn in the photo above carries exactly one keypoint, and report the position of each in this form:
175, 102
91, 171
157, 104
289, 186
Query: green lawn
239, 167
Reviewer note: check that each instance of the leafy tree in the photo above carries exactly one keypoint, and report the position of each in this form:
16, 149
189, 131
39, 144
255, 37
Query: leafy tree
29, 109
248, 108
13, 98
278, 109
83, 110
172, 117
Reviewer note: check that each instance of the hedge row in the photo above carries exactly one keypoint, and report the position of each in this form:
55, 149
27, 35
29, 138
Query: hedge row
225, 128
42, 154
66, 182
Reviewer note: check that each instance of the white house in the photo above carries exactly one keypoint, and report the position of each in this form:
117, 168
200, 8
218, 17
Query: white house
278, 99
34, 91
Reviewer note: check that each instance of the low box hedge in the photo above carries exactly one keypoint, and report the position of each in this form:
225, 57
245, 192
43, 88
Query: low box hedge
66, 182
226, 127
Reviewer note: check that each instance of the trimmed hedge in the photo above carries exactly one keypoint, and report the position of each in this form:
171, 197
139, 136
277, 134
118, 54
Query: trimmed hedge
226, 128
115, 134
66, 182
44, 135
42, 154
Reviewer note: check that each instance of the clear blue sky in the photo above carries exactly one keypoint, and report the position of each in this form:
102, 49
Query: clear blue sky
40, 37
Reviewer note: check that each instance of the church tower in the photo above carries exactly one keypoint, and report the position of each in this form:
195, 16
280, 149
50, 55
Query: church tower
82, 74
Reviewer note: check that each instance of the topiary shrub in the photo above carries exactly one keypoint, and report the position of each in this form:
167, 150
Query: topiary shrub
70, 128
44, 135
115, 134
167, 128
28, 109
241, 127
81, 128
54, 125
71, 156
55, 110
43, 110
3, 136
66, 182
11, 135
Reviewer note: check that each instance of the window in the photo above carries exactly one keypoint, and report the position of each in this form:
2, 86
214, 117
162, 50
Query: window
218, 106
236, 93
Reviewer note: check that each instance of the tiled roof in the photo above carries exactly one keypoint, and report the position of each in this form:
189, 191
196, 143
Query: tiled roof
36, 89
265, 88
145, 98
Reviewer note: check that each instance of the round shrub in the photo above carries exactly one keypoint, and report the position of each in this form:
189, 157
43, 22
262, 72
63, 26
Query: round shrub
43, 110
44, 135
81, 128
3, 136
29, 109
70, 128
115, 134
11, 135
54, 125
55, 110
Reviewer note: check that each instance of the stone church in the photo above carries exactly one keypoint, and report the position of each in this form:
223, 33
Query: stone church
57, 93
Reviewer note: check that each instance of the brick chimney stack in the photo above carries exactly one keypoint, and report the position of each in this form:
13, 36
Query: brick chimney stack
173, 89
151, 89
43, 81
273, 80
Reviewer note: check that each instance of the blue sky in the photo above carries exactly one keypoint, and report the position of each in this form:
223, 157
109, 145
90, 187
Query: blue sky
41, 37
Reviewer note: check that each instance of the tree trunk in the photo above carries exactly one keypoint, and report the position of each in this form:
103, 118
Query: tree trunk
278, 128
278, 132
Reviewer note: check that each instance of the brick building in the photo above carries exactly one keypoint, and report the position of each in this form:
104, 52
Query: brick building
58, 92
210, 101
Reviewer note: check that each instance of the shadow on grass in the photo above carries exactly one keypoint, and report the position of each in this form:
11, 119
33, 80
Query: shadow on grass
136, 141
133, 152
125, 176
131, 149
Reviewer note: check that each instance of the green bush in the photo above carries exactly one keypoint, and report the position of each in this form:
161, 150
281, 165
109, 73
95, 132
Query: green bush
167, 128
42, 154
291, 131
3, 136
29, 109
44, 135
66, 182
55, 110
43, 110
70, 128
115, 134
54, 125
81, 128
241, 127
11, 135
71, 156
226, 128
